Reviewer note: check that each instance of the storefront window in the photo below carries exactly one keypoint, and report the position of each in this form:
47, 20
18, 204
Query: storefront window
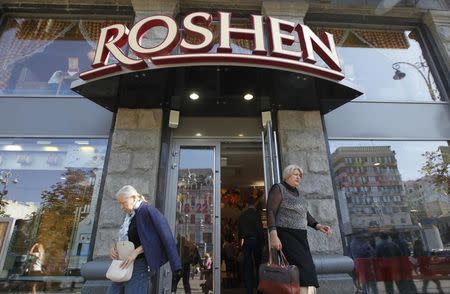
44, 56
49, 190
394, 201
387, 65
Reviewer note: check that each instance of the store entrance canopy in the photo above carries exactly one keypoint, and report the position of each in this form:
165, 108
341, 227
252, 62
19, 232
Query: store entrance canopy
220, 64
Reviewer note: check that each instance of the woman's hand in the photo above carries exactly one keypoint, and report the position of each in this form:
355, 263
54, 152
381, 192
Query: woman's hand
113, 253
129, 260
275, 242
132, 257
324, 229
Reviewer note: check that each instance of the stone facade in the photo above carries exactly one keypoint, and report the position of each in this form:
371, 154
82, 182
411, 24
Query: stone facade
302, 142
133, 160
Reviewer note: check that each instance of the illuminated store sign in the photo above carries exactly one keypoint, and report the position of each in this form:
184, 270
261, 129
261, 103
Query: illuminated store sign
277, 35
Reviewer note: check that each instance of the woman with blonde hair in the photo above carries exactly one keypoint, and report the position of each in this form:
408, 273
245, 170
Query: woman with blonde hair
288, 218
154, 243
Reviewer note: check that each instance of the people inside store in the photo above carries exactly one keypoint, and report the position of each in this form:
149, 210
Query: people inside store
251, 236
152, 237
288, 218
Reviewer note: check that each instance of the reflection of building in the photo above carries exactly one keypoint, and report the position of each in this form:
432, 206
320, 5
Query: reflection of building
424, 200
369, 188
194, 204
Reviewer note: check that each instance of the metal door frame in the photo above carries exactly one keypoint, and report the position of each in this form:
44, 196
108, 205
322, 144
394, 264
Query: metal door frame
170, 203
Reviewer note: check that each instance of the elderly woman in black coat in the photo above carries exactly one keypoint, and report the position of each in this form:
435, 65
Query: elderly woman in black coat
288, 217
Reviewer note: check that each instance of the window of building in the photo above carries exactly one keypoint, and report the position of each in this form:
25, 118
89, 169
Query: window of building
43, 56
388, 65
50, 189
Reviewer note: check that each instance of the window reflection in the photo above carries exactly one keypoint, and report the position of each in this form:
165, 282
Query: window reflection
385, 64
395, 213
44, 56
194, 225
49, 194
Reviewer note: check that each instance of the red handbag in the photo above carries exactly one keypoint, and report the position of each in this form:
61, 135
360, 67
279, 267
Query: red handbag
281, 278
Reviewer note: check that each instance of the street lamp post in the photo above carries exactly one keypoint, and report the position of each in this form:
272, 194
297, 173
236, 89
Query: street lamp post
420, 66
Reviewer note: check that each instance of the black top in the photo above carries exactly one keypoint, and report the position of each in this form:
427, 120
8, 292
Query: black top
250, 224
134, 237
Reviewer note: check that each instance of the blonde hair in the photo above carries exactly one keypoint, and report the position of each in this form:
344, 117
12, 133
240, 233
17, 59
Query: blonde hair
290, 169
128, 191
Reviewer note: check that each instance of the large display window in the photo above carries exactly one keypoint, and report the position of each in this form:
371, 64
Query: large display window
387, 65
43, 56
49, 190
394, 202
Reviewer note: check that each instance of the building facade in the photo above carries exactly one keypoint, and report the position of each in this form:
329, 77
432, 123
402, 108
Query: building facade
375, 154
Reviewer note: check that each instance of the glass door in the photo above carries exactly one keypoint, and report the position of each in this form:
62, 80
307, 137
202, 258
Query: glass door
193, 211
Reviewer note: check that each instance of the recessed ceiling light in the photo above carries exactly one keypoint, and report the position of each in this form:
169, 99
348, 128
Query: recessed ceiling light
198, 135
50, 148
194, 96
241, 135
12, 148
87, 148
81, 142
248, 96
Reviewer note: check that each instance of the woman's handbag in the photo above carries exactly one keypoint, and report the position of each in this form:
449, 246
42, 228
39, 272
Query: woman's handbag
279, 278
115, 273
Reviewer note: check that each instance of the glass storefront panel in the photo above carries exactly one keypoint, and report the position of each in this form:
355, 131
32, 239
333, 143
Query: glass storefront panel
49, 191
43, 56
194, 224
387, 65
394, 203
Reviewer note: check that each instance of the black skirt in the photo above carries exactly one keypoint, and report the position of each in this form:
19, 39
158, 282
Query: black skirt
296, 249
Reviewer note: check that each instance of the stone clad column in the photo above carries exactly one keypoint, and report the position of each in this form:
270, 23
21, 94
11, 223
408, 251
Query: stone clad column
439, 24
133, 160
301, 141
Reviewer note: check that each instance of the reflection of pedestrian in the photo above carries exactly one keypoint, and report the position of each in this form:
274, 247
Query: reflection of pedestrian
389, 267
363, 254
406, 282
250, 232
423, 259
189, 256
207, 269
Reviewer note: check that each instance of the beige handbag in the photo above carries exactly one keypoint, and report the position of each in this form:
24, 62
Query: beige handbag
115, 273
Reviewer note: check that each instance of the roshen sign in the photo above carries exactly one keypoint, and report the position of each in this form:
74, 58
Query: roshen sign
280, 34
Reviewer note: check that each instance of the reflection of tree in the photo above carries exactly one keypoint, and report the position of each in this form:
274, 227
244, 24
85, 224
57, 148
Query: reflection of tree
437, 166
58, 216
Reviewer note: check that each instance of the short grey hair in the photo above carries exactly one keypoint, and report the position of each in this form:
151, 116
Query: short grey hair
128, 191
290, 169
